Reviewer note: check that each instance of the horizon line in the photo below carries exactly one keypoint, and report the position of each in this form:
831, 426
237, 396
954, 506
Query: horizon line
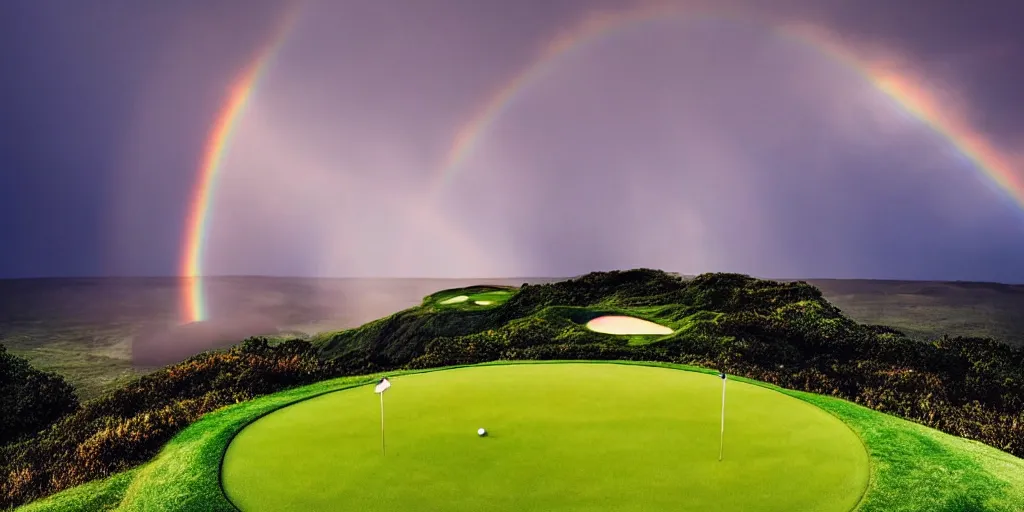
508, 278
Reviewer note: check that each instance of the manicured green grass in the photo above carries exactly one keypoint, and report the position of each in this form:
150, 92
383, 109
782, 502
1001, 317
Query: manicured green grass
492, 297
562, 437
913, 468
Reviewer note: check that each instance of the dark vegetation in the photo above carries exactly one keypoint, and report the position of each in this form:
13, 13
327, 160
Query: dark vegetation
129, 425
782, 333
97, 332
30, 399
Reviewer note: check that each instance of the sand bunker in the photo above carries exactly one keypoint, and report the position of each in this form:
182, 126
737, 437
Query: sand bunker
455, 300
484, 302
618, 324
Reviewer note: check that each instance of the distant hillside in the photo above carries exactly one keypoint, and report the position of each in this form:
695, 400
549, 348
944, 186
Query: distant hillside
928, 309
87, 329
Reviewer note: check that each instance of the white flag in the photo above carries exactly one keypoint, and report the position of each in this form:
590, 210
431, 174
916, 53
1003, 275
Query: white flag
382, 385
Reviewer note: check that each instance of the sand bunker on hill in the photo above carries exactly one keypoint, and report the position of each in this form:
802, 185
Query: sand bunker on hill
626, 325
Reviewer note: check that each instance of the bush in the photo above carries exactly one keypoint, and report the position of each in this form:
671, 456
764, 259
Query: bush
30, 400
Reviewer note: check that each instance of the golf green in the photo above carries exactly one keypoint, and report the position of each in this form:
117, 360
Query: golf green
574, 436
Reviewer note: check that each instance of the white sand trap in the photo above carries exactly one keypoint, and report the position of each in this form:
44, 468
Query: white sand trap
484, 302
618, 324
455, 300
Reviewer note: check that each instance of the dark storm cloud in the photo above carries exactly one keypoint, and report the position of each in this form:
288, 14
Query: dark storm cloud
691, 146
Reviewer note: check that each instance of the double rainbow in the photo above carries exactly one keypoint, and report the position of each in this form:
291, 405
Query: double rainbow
910, 92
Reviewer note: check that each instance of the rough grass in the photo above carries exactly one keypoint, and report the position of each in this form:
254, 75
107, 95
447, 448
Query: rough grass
101, 495
913, 468
972, 475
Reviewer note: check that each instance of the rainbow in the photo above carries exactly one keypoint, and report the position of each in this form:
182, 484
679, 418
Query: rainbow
882, 71
217, 144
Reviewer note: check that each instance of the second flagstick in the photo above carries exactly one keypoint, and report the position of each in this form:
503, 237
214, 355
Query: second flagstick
721, 433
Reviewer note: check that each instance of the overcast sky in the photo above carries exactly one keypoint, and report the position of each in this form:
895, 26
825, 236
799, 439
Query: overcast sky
703, 144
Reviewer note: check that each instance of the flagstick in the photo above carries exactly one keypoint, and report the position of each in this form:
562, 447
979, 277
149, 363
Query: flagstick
721, 435
383, 450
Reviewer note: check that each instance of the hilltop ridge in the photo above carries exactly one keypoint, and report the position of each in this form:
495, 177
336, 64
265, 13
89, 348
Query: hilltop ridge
785, 333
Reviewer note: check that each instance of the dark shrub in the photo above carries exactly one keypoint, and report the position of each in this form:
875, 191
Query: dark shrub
30, 400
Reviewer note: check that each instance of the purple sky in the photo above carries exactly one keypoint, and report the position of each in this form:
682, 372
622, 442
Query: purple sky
706, 145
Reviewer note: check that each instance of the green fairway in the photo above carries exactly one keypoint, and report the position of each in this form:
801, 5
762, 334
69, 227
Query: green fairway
561, 437
493, 297
473, 297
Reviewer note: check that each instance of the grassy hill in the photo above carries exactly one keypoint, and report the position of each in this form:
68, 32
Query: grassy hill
782, 333
87, 329
785, 333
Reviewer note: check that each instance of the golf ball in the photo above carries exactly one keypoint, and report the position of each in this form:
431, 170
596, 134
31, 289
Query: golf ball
481, 432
